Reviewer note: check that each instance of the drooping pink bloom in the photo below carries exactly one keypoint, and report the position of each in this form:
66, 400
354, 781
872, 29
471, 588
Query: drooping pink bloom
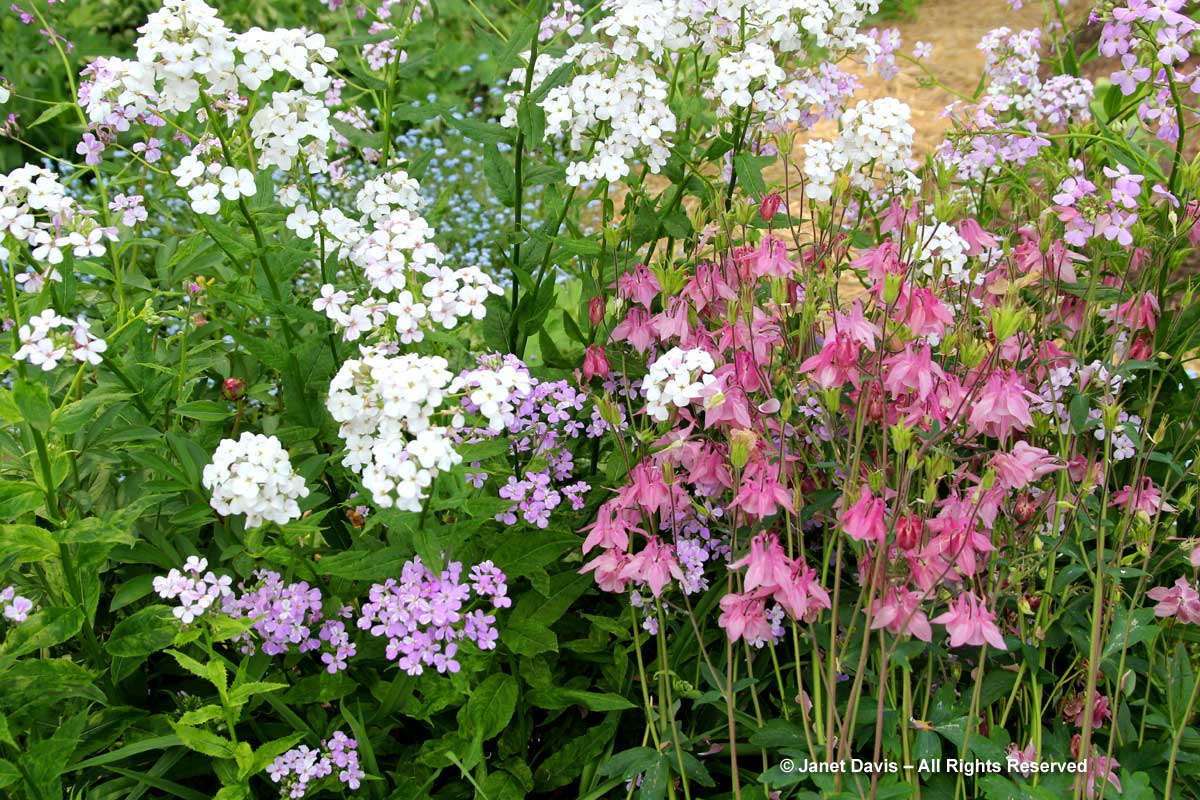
645, 489
595, 362
1097, 770
802, 596
608, 567
769, 206
1145, 499
707, 286
1139, 312
771, 259
856, 326
611, 528
1023, 465
597, 308
639, 285
923, 313
836, 364
1181, 600
1002, 406
745, 616
900, 612
970, 623
881, 261
761, 494
957, 539
909, 530
863, 521
654, 565
767, 566
673, 322
725, 404
911, 371
978, 240
709, 472
1077, 708
1025, 759
636, 329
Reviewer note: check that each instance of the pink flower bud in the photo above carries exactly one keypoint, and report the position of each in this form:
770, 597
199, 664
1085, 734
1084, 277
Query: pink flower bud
770, 206
233, 388
908, 532
595, 363
596, 309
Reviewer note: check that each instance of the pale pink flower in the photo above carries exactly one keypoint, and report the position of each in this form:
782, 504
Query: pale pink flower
1182, 601
745, 616
1145, 499
911, 371
900, 612
802, 596
1023, 465
766, 564
970, 623
608, 567
653, 566
1002, 406
863, 521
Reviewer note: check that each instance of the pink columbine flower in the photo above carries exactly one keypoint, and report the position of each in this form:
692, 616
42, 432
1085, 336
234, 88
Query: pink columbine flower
911, 371
970, 623
745, 616
1023, 465
1182, 601
769, 206
654, 566
1002, 406
863, 521
856, 326
771, 259
608, 567
1145, 499
923, 313
900, 612
640, 285
978, 240
1139, 312
595, 363
836, 364
636, 329
767, 566
802, 596
611, 528
761, 494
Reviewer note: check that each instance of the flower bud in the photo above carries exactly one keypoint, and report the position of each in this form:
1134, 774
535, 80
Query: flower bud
908, 532
595, 363
597, 307
741, 443
233, 388
1024, 508
769, 206
1006, 321
891, 287
902, 437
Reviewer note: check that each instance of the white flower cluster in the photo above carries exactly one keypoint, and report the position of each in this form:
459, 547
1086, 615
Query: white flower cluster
679, 378
398, 435
36, 211
622, 109
393, 246
48, 337
207, 178
185, 50
295, 123
614, 107
196, 593
253, 475
386, 409
875, 138
940, 252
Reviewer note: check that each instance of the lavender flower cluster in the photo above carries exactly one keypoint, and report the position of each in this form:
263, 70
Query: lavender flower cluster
301, 766
424, 614
196, 592
15, 607
544, 417
290, 616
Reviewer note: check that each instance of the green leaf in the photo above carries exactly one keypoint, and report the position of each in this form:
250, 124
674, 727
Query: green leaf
499, 174
147, 631
52, 112
205, 410
1079, 412
34, 402
238, 247
18, 498
554, 698
483, 132
26, 544
749, 173
202, 715
46, 628
202, 741
491, 706
240, 693
518, 556
528, 638
628, 764
8, 773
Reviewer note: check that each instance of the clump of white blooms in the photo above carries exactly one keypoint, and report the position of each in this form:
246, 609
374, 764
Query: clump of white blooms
875, 141
188, 57
47, 338
392, 244
398, 435
679, 378
386, 408
939, 251
253, 475
35, 210
614, 108
196, 592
